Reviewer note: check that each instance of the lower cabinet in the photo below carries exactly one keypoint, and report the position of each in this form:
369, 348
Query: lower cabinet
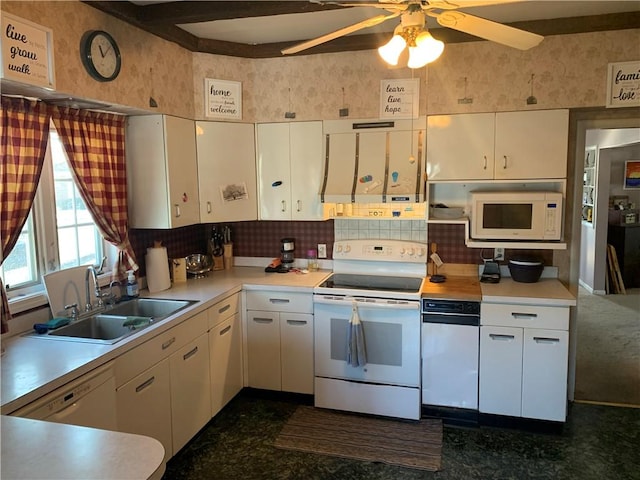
144, 406
225, 345
280, 341
523, 370
190, 390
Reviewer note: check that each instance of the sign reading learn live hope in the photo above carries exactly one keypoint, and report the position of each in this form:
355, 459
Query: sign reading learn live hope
223, 98
27, 52
400, 98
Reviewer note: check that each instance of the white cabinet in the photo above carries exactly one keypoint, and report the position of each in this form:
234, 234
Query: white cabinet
524, 360
289, 166
165, 376
226, 172
280, 341
225, 346
162, 174
498, 146
190, 390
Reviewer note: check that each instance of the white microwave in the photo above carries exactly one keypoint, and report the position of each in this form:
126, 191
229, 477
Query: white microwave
516, 215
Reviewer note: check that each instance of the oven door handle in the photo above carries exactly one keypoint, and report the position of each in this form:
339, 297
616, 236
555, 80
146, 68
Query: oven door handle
368, 303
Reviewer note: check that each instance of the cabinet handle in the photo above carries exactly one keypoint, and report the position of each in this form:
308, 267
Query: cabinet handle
168, 343
297, 322
262, 320
523, 316
208, 207
225, 308
496, 336
546, 340
485, 163
279, 300
299, 205
225, 330
284, 206
504, 163
178, 213
144, 385
190, 354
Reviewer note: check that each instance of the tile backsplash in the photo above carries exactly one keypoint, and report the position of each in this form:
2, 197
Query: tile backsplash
390, 229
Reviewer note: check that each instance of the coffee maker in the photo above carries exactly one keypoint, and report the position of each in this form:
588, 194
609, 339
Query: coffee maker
287, 248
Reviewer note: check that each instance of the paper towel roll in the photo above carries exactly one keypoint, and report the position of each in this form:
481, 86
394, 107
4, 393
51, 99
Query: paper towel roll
157, 269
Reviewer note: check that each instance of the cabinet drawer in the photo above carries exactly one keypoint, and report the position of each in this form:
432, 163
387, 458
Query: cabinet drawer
280, 301
224, 309
142, 357
526, 316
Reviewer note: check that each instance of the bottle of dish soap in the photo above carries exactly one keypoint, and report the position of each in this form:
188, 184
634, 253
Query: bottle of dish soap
132, 284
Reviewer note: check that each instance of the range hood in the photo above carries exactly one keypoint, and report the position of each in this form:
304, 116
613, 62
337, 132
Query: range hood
374, 161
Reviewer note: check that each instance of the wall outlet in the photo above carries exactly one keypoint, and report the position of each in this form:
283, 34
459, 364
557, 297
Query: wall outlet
322, 250
498, 253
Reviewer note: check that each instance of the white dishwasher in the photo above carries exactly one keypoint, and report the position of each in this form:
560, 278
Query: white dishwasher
88, 401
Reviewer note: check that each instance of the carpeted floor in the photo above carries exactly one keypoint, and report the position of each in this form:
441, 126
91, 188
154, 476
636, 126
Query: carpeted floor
608, 348
395, 442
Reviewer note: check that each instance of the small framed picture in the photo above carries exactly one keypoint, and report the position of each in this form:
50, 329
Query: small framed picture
632, 174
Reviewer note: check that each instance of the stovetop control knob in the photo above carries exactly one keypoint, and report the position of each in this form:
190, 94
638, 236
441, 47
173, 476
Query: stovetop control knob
339, 248
411, 251
420, 252
403, 251
347, 248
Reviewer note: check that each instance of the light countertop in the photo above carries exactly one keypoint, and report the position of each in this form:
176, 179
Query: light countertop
546, 291
34, 449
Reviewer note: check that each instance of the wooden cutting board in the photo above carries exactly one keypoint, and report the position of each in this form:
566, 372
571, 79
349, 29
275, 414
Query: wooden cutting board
454, 288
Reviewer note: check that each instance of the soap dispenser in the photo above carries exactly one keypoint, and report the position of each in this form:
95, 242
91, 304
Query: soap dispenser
132, 284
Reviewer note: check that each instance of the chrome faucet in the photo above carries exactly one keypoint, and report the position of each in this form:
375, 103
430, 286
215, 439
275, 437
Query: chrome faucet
91, 271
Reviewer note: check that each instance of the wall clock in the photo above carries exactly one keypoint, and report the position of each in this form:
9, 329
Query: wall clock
100, 55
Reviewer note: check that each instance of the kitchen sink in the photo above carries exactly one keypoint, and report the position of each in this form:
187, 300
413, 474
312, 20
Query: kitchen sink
116, 323
155, 308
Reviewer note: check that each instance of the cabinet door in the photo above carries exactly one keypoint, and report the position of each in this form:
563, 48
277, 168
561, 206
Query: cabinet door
460, 147
144, 406
544, 374
274, 176
296, 354
341, 150
190, 390
226, 172
306, 158
225, 345
500, 370
182, 171
531, 144
263, 349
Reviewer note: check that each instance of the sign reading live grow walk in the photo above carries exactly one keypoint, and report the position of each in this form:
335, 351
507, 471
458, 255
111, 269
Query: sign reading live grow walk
623, 84
27, 52
223, 98
400, 98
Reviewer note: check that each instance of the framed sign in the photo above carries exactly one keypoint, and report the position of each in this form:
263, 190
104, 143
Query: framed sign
27, 52
223, 99
623, 84
400, 98
631, 175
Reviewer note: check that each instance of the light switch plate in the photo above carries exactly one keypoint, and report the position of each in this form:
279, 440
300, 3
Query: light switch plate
322, 250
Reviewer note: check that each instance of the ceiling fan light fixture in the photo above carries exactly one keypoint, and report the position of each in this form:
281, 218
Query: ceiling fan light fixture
390, 51
426, 50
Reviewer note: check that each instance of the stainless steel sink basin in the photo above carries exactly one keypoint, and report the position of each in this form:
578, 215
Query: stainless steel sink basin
103, 328
155, 308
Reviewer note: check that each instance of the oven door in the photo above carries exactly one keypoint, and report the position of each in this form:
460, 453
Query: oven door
391, 336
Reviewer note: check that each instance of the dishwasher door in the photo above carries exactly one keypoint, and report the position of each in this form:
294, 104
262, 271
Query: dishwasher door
88, 401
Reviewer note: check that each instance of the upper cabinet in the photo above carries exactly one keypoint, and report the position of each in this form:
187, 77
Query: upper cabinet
162, 173
498, 146
226, 172
289, 168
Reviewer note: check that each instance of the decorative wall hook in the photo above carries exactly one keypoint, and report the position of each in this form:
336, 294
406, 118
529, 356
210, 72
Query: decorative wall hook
531, 100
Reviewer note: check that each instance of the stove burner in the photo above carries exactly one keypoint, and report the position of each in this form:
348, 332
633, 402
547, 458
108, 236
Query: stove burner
373, 282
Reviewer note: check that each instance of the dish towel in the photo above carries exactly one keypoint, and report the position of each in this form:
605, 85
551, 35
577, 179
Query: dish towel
356, 353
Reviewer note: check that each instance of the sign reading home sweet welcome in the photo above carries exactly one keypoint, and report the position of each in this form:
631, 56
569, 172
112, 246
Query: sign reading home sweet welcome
623, 84
223, 99
27, 52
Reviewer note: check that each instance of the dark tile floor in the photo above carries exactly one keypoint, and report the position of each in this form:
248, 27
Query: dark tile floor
598, 443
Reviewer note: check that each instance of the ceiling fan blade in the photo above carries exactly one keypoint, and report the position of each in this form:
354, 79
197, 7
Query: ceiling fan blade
454, 4
489, 30
370, 22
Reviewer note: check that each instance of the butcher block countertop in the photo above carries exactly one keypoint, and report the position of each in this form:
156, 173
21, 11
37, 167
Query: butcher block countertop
454, 288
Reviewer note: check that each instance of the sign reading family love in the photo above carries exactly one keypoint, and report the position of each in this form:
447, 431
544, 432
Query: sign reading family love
623, 84
399, 98
27, 52
223, 99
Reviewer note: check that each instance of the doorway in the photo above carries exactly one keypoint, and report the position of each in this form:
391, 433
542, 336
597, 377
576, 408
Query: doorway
605, 330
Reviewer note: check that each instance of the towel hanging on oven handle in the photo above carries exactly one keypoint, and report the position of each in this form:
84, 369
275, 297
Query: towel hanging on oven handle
356, 352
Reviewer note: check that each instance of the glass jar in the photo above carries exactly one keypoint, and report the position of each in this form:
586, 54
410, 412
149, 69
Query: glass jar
312, 260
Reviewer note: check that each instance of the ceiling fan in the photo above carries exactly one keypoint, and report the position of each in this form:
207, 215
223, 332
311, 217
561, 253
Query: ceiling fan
412, 33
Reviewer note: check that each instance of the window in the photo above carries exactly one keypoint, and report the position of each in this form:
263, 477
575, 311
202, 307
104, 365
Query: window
60, 232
